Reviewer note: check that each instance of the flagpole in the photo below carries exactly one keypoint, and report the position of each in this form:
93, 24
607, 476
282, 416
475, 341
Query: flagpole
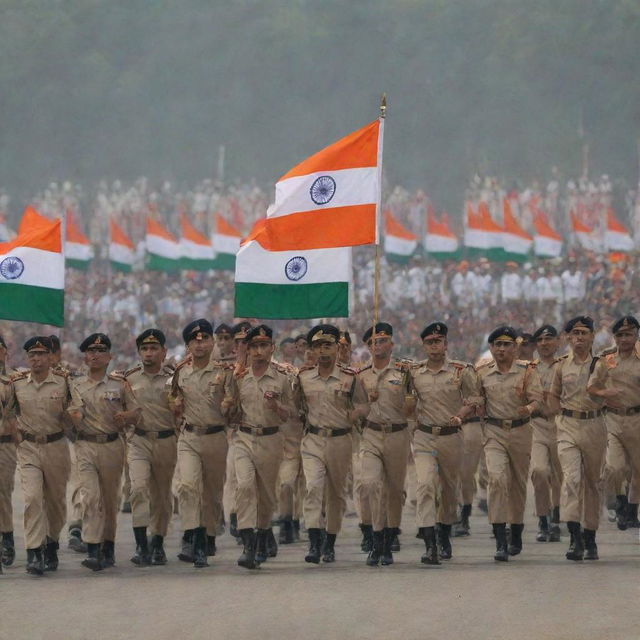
376, 270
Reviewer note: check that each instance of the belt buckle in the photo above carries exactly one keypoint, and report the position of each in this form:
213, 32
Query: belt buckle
507, 424
101, 438
40, 439
257, 431
436, 430
152, 435
386, 427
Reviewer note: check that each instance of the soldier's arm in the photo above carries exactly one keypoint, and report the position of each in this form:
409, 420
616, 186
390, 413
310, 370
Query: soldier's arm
598, 380
75, 406
360, 401
552, 396
471, 391
533, 391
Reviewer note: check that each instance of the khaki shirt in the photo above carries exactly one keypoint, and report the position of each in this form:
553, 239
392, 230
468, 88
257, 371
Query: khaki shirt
390, 384
327, 402
150, 393
441, 394
569, 384
506, 392
545, 371
612, 371
99, 401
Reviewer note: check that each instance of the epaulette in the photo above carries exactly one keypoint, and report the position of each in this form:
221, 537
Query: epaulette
608, 352
182, 363
361, 369
21, 375
536, 361
460, 364
483, 364
116, 375
559, 358
5, 379
404, 364
347, 370
526, 363
128, 372
223, 364
63, 373
306, 367
282, 368
169, 369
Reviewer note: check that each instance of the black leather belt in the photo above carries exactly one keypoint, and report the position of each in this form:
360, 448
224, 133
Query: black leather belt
473, 419
8, 437
101, 438
259, 431
327, 433
447, 430
508, 424
204, 431
154, 435
386, 428
51, 437
582, 415
621, 412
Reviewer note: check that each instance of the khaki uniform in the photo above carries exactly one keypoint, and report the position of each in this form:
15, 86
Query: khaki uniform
326, 446
546, 472
99, 450
437, 447
507, 447
8, 458
43, 453
258, 443
384, 445
202, 444
581, 442
151, 449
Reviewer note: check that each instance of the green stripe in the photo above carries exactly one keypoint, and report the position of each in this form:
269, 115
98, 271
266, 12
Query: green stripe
193, 264
121, 266
496, 254
81, 265
325, 300
398, 258
225, 262
160, 263
516, 257
27, 303
445, 255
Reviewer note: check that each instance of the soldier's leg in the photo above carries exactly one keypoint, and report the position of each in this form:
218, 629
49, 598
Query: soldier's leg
396, 456
32, 481
246, 495
139, 456
498, 474
519, 459
288, 477
90, 491
268, 458
75, 520
472, 438
315, 473
426, 464
616, 464
570, 458
231, 481
163, 463
214, 471
541, 474
371, 473
8, 460
593, 445
190, 486
338, 462
56, 467
450, 455
126, 489
111, 456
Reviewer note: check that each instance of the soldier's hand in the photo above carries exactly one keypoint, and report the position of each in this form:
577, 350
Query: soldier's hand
373, 395
455, 421
524, 410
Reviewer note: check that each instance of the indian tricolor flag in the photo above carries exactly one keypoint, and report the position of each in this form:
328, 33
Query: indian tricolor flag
121, 249
547, 243
195, 248
516, 242
30, 220
617, 237
440, 243
77, 248
399, 243
163, 250
226, 243
294, 263
482, 234
32, 276
584, 235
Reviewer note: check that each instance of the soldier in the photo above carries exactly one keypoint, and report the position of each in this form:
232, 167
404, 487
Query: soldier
615, 378
448, 393
99, 413
582, 439
151, 447
384, 445
198, 389
512, 392
40, 398
331, 397
223, 335
546, 473
262, 396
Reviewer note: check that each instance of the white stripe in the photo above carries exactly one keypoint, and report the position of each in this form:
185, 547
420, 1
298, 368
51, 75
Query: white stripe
120, 253
255, 264
619, 241
41, 268
352, 187
587, 240
440, 244
163, 247
479, 239
225, 244
545, 246
189, 249
399, 246
78, 251
516, 244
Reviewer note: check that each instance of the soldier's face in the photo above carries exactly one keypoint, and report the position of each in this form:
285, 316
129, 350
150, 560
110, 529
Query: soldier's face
201, 347
225, 343
301, 347
503, 351
152, 354
97, 358
435, 346
38, 361
54, 358
581, 339
326, 352
260, 352
626, 339
547, 345
380, 347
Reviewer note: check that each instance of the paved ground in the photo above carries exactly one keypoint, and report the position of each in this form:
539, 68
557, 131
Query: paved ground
538, 595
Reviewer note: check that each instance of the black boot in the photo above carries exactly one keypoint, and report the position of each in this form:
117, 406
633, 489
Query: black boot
395, 543
315, 540
141, 557
8, 549
462, 528
286, 531
621, 512
500, 533
430, 556
51, 555
632, 516
576, 548
158, 555
554, 529
186, 553
373, 559
75, 540
328, 550
200, 548
389, 533
443, 537
543, 529
261, 545
35, 562
108, 553
367, 537
590, 546
248, 557
296, 530
233, 525
211, 546
272, 545
515, 543
93, 560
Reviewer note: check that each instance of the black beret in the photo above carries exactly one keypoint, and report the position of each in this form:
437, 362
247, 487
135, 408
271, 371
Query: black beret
151, 336
55, 343
302, 336
2, 342
261, 333
585, 321
223, 328
434, 329
626, 322
38, 343
95, 338
525, 337
345, 337
240, 330
504, 333
197, 328
382, 329
545, 330
323, 333
287, 341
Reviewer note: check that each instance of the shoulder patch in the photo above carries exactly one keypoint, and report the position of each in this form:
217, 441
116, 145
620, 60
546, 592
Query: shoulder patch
460, 364
282, 368
116, 375
608, 352
485, 364
306, 367
561, 358
128, 372
347, 370
370, 366
21, 375
63, 373
168, 369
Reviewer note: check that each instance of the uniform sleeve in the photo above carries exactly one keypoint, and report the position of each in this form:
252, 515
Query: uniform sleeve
129, 400
470, 387
534, 390
555, 388
74, 401
598, 379
360, 396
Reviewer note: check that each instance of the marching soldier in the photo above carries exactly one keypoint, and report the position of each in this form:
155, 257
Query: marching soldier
582, 439
512, 392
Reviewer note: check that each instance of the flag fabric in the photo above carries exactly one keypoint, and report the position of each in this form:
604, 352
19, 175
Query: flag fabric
226, 243
32, 276
399, 243
31, 219
547, 242
195, 249
163, 250
516, 242
121, 249
482, 234
584, 235
77, 248
617, 238
440, 242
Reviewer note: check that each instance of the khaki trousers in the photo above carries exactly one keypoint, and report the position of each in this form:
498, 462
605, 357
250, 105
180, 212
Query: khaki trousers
152, 462
8, 459
326, 463
231, 481
546, 473
257, 461
74, 489
581, 449
472, 450
383, 469
44, 471
438, 460
289, 471
202, 461
623, 454
507, 452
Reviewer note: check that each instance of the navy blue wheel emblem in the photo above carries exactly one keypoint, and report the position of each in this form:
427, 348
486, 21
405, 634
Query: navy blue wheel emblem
323, 189
296, 268
11, 268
